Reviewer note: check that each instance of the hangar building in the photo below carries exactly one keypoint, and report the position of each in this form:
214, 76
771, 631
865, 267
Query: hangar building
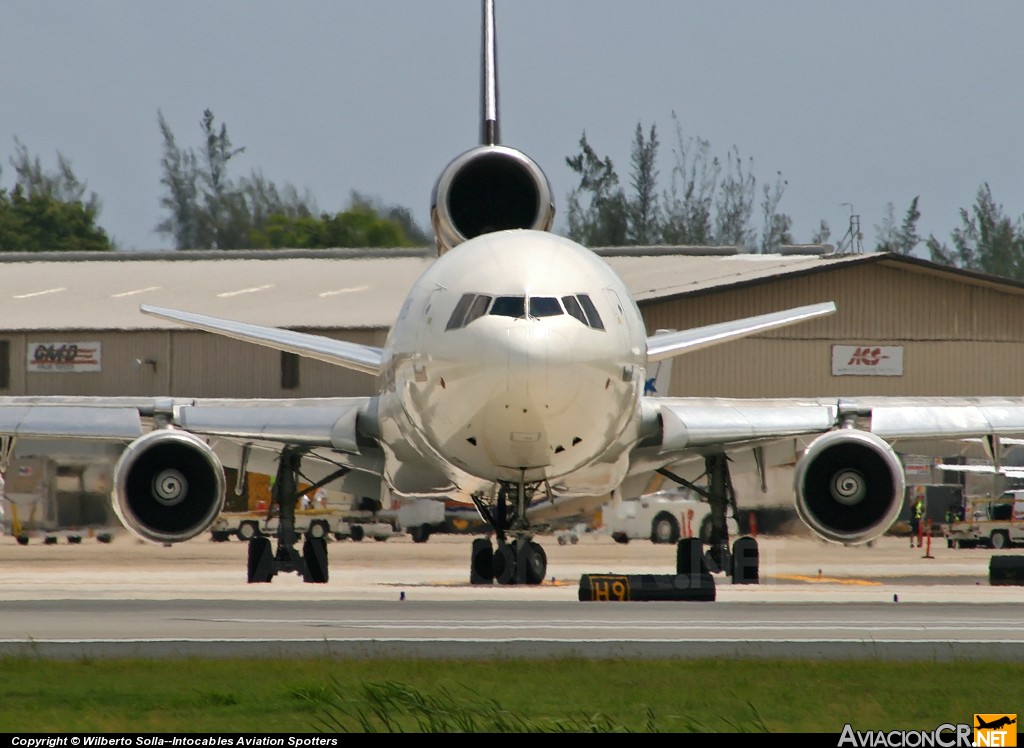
71, 324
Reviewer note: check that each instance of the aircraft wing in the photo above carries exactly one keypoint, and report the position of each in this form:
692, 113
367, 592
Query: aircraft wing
364, 358
311, 422
702, 425
664, 345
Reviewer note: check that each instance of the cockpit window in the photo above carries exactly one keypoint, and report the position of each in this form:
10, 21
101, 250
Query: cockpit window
545, 306
572, 306
479, 308
470, 307
593, 318
509, 306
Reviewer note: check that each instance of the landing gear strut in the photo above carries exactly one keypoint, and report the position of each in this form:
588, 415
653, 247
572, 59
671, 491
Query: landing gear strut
517, 559
264, 563
742, 562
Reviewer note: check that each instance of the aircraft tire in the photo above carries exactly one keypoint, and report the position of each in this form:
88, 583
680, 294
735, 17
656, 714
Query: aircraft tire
664, 528
532, 563
481, 562
504, 561
314, 553
248, 531
260, 568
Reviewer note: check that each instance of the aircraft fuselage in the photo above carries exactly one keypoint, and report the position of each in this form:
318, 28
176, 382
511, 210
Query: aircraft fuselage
518, 356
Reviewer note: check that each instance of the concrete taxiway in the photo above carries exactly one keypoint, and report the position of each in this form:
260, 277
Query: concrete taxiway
400, 598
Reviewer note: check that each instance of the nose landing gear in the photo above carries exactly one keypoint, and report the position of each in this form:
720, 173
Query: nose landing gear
519, 560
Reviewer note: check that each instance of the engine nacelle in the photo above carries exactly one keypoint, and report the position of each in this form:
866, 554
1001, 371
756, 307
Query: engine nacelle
849, 486
168, 486
489, 188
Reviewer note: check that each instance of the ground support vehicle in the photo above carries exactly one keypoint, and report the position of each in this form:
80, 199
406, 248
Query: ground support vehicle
986, 522
662, 517
316, 523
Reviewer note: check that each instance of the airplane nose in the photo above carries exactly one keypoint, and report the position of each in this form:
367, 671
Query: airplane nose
540, 364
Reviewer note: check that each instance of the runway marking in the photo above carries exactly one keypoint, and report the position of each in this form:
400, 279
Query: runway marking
239, 292
573, 625
39, 293
829, 580
134, 293
339, 291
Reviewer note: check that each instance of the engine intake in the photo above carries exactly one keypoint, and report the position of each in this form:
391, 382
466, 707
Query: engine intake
168, 486
849, 486
489, 188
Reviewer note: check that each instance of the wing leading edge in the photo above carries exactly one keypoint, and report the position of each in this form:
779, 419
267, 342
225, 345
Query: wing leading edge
665, 345
364, 358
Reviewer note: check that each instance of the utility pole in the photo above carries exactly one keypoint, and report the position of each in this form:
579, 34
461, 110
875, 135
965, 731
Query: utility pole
853, 241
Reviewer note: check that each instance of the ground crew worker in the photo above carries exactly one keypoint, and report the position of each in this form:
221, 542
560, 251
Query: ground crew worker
917, 512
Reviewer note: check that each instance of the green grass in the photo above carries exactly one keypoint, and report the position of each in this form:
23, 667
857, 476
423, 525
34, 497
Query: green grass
560, 695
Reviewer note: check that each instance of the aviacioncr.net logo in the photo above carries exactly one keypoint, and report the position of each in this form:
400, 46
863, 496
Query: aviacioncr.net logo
995, 730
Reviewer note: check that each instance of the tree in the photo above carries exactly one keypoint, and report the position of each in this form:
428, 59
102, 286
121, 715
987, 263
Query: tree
903, 239
48, 211
691, 192
207, 208
734, 204
777, 226
644, 213
602, 218
707, 202
987, 240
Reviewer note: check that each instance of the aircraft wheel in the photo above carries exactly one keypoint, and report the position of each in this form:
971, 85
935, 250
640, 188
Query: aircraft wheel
532, 564
664, 528
248, 531
504, 564
261, 561
481, 566
314, 553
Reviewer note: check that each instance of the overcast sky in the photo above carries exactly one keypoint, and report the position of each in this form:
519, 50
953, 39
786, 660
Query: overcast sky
856, 103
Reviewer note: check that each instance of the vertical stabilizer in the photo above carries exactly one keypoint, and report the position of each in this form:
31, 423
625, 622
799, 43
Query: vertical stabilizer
489, 78
659, 375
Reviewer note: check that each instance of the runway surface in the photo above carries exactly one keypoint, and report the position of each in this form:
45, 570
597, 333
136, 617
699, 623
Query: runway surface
399, 598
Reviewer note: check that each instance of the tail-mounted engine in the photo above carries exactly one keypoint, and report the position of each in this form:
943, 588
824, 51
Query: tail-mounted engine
849, 486
489, 188
168, 486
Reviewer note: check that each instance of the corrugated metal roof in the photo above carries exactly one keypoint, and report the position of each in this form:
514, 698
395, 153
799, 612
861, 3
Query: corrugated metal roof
321, 289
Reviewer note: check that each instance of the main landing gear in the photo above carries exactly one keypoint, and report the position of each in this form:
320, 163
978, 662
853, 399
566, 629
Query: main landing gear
742, 561
517, 559
264, 563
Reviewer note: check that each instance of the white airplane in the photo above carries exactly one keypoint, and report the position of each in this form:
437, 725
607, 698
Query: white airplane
514, 375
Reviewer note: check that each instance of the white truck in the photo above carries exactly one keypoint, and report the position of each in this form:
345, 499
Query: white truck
662, 517
994, 523
319, 523
418, 517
